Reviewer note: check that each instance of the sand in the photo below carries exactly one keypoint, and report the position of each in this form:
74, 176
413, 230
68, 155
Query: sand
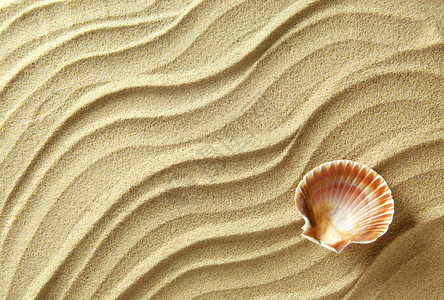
151, 149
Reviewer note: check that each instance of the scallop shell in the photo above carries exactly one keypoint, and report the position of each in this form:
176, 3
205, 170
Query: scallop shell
344, 202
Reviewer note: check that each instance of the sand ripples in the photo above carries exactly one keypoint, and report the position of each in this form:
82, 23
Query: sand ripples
152, 150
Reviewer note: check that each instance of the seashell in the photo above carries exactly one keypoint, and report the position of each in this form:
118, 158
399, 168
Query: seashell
344, 202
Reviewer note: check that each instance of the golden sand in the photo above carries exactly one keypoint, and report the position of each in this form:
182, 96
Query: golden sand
151, 149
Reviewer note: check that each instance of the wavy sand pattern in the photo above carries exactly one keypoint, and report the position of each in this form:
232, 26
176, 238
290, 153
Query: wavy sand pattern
151, 149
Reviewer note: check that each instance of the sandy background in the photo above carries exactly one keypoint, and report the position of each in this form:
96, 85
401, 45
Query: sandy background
151, 149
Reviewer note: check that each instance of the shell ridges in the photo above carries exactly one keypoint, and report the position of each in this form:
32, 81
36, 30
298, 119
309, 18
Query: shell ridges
344, 202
